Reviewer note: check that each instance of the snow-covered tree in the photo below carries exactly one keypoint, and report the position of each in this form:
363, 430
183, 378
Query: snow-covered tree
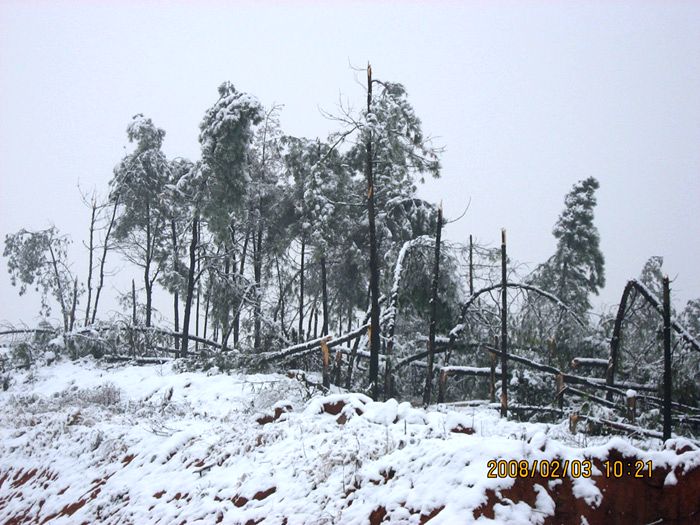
392, 153
138, 184
576, 269
39, 259
226, 134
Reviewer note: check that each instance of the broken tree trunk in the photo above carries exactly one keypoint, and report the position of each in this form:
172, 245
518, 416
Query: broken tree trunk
504, 328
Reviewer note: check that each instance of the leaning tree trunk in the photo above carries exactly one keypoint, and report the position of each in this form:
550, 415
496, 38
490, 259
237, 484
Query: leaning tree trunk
190, 287
59, 287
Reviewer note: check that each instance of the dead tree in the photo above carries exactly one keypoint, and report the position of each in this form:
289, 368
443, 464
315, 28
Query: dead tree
638, 288
667, 360
105, 248
504, 328
91, 251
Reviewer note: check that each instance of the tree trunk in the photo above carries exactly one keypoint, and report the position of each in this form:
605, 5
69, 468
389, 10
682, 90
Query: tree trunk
91, 248
102, 261
433, 312
196, 317
133, 302
374, 343
471, 266
667, 361
147, 268
176, 267
504, 328
59, 287
74, 305
324, 291
206, 305
232, 268
301, 291
257, 272
225, 328
190, 286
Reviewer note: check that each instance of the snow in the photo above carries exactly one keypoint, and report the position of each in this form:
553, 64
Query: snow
150, 444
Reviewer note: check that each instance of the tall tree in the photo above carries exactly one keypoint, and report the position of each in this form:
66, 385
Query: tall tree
576, 269
264, 199
392, 152
138, 183
226, 135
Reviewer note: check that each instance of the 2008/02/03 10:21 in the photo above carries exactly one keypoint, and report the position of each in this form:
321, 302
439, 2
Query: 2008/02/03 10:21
560, 468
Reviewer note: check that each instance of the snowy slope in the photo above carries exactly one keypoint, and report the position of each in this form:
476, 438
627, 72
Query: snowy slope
86, 443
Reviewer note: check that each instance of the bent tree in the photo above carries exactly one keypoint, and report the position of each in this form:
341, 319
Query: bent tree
38, 259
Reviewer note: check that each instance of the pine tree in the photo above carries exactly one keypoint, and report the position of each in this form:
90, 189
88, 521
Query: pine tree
139, 184
576, 269
226, 135
392, 152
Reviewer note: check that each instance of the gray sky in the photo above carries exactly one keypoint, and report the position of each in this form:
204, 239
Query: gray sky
527, 98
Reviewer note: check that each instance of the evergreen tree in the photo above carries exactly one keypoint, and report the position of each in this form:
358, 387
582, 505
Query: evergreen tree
577, 267
226, 135
391, 151
576, 270
138, 184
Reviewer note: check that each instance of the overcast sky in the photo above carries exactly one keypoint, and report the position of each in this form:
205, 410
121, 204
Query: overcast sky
526, 97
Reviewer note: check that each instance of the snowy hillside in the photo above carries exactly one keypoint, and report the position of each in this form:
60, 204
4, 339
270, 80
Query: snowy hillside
83, 442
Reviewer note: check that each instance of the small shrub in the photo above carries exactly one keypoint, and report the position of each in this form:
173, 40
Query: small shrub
22, 355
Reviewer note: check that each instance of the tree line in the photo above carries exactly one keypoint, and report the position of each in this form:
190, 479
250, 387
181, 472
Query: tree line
269, 239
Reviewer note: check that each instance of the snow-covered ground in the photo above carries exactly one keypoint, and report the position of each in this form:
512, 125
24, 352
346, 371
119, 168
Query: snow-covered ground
86, 442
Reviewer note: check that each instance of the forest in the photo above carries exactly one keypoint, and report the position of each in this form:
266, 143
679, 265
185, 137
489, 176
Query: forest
316, 257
